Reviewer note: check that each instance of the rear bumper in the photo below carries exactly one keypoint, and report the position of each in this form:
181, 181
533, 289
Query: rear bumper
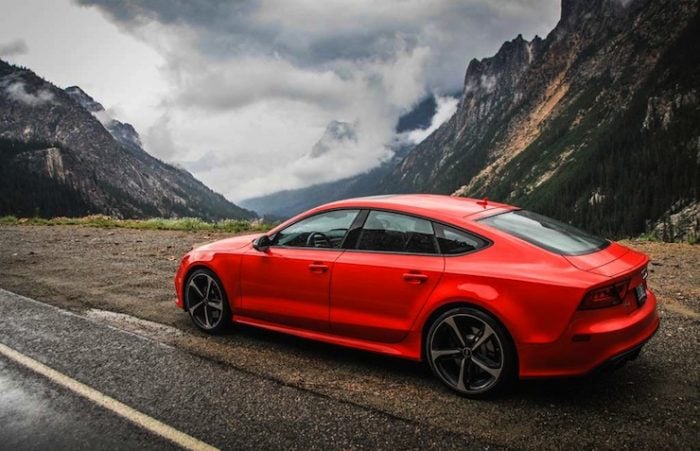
621, 359
588, 345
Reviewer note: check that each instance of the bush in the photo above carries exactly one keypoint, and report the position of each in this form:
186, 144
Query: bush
187, 224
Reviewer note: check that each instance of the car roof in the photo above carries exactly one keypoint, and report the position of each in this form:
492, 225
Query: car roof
431, 205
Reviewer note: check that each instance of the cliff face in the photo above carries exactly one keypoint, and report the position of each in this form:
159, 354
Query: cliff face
595, 124
125, 134
62, 155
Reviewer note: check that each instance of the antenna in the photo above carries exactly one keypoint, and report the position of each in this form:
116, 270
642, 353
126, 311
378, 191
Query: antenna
483, 202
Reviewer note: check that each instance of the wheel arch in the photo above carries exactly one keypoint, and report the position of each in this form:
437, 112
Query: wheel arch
457, 303
196, 266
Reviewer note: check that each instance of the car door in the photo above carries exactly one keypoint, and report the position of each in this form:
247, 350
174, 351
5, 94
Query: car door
288, 284
380, 285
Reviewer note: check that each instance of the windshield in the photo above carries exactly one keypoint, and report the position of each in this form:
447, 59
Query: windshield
547, 233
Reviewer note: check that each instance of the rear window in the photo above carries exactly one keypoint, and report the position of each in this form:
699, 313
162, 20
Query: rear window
453, 241
547, 233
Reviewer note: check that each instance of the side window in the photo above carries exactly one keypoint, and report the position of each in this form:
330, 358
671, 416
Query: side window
324, 230
384, 231
454, 241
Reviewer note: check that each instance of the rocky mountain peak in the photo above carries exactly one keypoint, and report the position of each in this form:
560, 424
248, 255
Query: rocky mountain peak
83, 99
124, 133
503, 69
337, 134
492, 80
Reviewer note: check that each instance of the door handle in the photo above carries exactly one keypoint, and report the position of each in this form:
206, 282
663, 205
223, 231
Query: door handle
415, 278
318, 267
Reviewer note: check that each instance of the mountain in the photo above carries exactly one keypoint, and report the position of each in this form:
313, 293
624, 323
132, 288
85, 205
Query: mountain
63, 155
597, 124
287, 203
337, 134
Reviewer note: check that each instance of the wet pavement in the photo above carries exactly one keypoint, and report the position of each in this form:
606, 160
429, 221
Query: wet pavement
225, 407
36, 414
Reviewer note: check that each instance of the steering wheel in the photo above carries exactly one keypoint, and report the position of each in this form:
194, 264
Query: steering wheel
311, 240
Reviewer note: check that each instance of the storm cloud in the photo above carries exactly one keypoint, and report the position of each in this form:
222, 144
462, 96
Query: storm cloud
252, 85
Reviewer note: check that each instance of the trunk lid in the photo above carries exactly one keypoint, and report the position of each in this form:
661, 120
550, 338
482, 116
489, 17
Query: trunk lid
611, 261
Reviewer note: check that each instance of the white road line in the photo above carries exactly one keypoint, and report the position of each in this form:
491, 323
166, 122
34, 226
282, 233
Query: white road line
121, 409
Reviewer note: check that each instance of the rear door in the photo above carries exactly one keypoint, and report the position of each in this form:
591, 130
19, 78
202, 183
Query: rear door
382, 280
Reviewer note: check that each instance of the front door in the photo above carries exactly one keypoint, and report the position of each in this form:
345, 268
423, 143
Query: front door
289, 283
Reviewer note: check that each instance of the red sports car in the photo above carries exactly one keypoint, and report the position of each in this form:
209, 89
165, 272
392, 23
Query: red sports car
486, 293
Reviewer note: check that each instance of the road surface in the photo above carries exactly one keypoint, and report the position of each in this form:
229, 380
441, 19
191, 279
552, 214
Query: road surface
208, 401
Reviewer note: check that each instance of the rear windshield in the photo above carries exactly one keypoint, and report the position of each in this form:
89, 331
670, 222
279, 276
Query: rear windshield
546, 233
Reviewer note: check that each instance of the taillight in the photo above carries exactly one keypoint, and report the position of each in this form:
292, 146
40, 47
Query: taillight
605, 297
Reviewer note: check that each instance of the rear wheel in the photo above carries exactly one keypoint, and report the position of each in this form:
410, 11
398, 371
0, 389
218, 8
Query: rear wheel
206, 302
470, 352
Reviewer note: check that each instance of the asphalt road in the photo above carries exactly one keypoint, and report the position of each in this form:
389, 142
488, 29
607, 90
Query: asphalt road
213, 402
36, 414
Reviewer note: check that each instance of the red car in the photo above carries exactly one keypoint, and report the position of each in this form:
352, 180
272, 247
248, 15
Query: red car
486, 293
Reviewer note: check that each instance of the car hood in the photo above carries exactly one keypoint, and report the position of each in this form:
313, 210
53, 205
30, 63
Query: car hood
611, 261
229, 244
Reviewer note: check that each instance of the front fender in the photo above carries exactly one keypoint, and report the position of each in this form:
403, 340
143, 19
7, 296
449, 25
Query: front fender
226, 266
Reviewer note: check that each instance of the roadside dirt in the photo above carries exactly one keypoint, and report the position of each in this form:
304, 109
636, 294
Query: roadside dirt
124, 278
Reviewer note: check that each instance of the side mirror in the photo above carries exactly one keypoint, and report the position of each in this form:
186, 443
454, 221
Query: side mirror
262, 243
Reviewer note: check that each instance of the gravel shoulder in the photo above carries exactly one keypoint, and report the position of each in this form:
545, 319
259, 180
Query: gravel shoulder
124, 278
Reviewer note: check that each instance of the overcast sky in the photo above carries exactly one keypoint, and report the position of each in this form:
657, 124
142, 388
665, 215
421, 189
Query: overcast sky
239, 91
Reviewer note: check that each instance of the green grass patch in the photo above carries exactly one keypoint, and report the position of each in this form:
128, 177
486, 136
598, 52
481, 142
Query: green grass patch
187, 224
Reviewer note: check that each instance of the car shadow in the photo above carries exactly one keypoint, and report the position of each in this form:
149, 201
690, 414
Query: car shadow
607, 387
338, 355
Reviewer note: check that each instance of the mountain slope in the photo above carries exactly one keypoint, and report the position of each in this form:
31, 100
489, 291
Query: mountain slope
285, 204
59, 159
596, 124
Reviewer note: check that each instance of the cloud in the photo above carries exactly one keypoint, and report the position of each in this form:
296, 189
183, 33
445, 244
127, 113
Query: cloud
309, 33
446, 107
17, 91
159, 139
252, 84
13, 48
223, 85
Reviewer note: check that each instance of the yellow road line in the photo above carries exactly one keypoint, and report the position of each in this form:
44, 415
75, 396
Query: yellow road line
121, 409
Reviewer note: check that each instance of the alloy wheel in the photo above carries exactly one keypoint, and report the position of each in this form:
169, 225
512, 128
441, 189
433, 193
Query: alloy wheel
466, 353
205, 301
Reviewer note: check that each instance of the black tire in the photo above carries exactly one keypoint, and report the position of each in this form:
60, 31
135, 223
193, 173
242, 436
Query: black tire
206, 302
471, 352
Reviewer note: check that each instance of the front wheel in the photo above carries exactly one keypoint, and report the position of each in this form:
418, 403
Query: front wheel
206, 302
471, 353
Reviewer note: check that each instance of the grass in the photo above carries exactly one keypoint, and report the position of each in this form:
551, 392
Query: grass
188, 224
